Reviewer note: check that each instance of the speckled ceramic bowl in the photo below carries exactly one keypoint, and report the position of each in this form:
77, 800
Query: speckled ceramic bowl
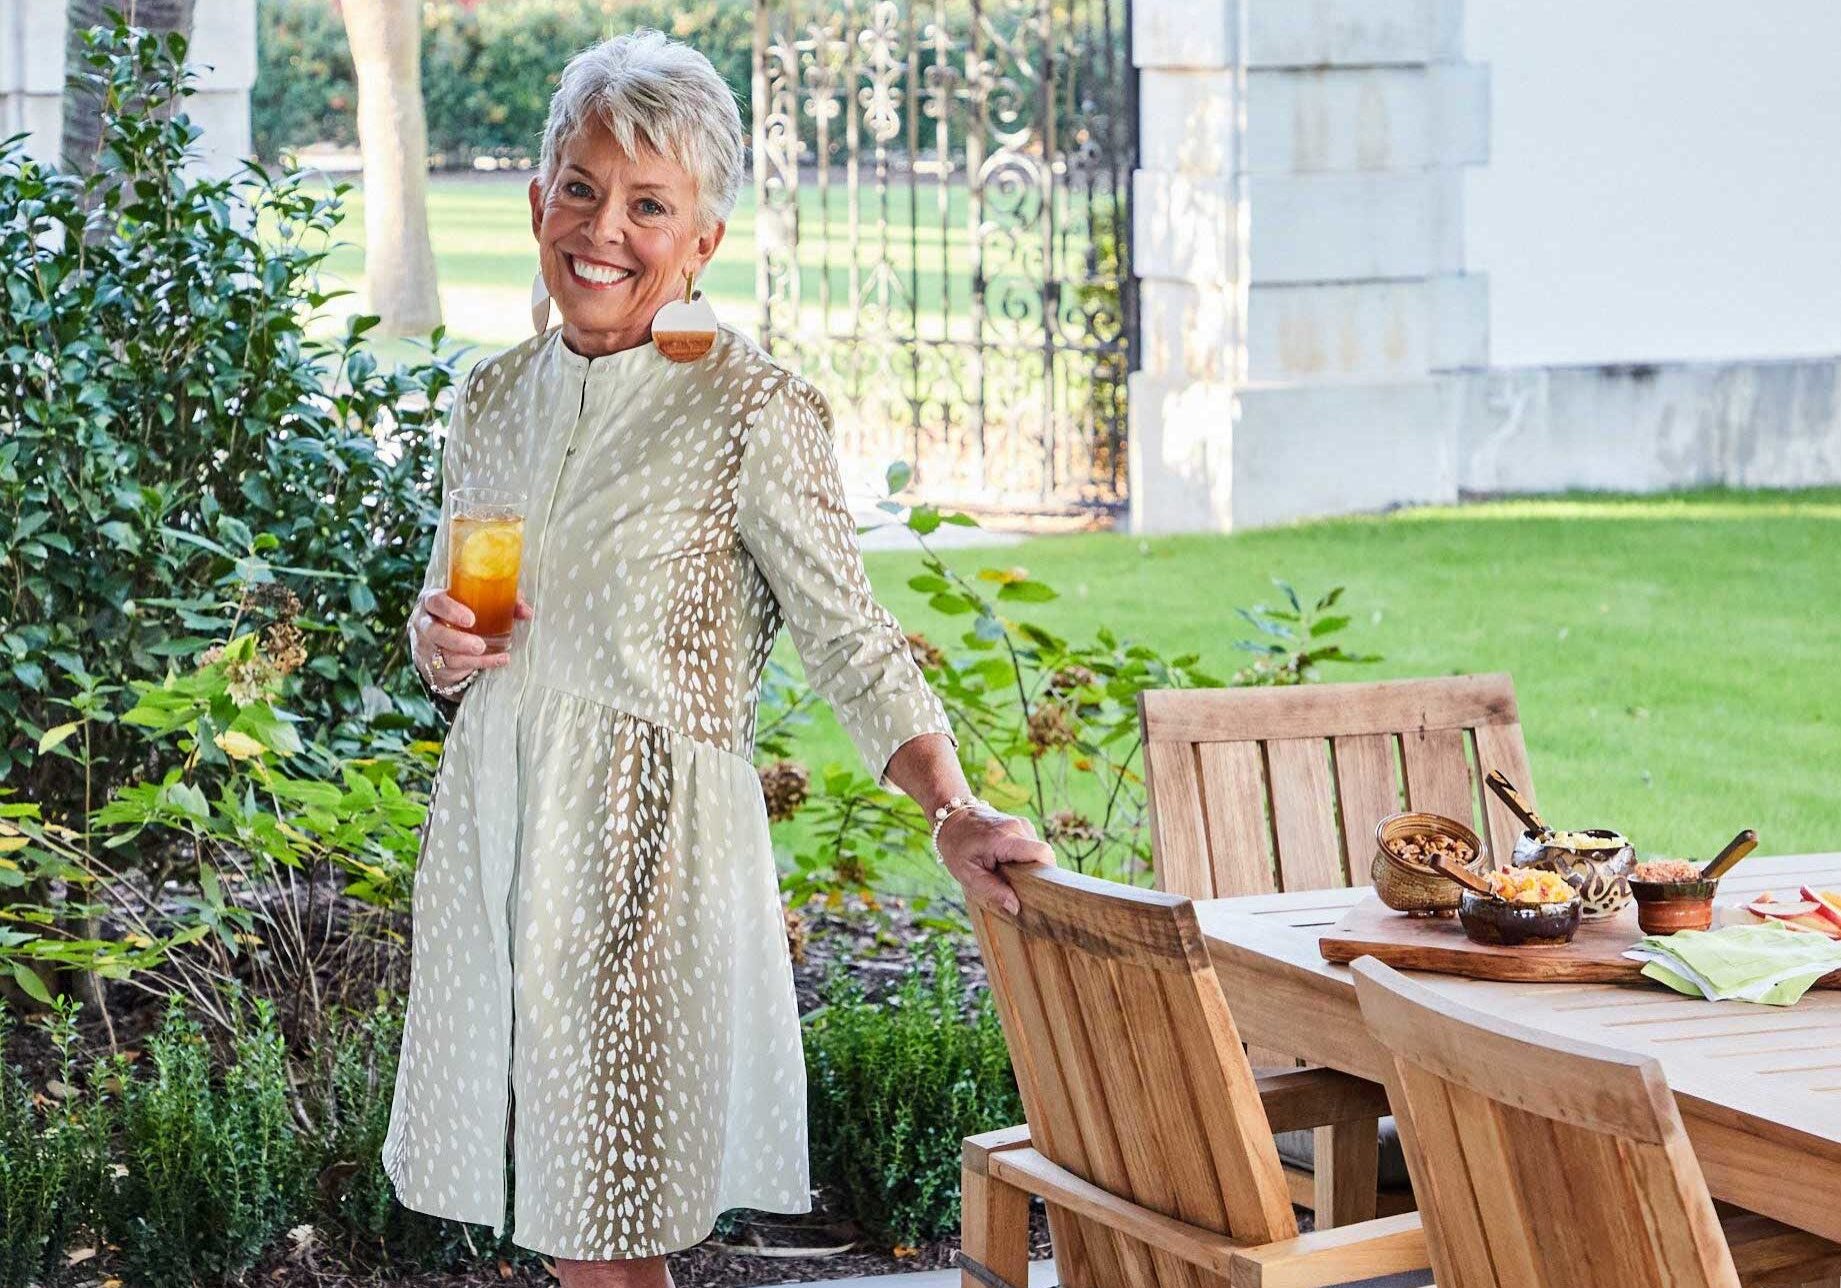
1490, 920
1602, 877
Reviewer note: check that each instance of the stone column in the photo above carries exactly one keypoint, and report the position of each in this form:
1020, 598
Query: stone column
223, 50
1360, 115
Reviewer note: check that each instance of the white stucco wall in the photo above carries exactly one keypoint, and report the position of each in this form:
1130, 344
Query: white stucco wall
1662, 181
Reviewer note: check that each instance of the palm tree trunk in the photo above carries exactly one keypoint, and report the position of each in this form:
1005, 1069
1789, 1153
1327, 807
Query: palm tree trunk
399, 259
82, 104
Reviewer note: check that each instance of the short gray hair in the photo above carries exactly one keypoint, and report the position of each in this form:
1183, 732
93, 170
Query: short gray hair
657, 94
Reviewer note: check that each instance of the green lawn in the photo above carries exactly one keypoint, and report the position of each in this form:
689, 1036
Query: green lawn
1678, 659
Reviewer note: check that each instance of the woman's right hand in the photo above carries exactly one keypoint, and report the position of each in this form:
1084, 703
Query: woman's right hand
443, 622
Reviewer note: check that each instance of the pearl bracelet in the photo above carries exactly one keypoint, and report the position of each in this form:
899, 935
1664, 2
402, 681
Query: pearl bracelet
940, 814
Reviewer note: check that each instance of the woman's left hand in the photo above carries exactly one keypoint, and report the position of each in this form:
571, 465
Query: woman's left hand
977, 842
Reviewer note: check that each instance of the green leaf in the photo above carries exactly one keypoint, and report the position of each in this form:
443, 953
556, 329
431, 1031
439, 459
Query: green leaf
1327, 626
1033, 592
55, 737
28, 980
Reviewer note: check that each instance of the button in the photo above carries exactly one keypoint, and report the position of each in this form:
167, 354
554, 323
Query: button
571, 451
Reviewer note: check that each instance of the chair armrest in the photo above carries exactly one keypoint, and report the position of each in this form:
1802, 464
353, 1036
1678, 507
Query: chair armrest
1390, 1245
977, 1150
1297, 1098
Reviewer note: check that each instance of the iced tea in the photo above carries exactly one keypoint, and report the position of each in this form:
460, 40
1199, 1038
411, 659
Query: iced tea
485, 548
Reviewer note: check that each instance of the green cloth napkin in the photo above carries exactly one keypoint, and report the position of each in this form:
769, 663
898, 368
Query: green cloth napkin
1766, 963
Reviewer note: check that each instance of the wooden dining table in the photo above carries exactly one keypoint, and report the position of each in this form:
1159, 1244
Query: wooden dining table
1759, 1087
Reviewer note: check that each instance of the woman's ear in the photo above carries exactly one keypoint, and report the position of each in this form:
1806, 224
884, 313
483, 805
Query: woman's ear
536, 207
707, 243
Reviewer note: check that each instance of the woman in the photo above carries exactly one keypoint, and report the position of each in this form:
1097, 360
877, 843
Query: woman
599, 955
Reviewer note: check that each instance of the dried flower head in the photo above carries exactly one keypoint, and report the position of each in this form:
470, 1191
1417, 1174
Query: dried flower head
271, 598
1070, 825
211, 656
795, 934
925, 652
1070, 677
785, 784
249, 682
286, 647
1050, 726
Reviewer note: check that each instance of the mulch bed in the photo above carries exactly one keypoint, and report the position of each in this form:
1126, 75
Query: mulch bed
875, 945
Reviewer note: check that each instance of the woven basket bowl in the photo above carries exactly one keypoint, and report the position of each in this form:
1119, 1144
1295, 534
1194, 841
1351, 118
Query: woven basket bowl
1413, 887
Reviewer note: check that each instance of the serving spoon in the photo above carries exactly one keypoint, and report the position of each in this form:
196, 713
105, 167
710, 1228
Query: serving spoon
1517, 803
1461, 874
1740, 846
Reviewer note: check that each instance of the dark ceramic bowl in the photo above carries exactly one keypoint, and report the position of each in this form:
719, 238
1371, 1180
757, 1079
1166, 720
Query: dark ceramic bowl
1663, 907
1490, 920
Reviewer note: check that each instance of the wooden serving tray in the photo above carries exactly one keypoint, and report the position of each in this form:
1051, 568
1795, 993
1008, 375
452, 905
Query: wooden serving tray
1439, 944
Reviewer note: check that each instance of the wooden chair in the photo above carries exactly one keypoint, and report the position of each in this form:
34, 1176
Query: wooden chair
1148, 1136
1541, 1160
1256, 791
1261, 791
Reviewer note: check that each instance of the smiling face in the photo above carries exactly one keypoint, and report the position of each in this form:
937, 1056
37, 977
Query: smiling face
615, 236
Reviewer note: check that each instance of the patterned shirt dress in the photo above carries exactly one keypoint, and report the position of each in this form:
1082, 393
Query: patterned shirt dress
599, 966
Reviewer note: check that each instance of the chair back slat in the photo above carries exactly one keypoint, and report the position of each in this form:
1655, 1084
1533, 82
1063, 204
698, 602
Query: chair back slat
1130, 1069
1304, 814
1234, 857
1536, 1159
1499, 746
1259, 790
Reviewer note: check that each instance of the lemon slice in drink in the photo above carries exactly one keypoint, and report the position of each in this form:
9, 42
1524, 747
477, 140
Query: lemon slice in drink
492, 553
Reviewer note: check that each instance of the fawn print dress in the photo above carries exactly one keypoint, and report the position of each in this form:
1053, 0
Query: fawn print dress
599, 965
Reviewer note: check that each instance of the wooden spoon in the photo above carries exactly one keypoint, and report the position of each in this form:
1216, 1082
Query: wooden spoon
1461, 874
1517, 803
1740, 846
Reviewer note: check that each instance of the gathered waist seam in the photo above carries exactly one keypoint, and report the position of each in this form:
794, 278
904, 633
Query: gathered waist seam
615, 709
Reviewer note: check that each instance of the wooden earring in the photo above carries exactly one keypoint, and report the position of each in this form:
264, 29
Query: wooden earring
540, 304
684, 330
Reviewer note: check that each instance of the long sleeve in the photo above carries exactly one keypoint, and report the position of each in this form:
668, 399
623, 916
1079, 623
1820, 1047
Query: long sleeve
453, 449
796, 524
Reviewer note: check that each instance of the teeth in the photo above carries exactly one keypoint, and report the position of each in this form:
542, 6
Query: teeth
600, 274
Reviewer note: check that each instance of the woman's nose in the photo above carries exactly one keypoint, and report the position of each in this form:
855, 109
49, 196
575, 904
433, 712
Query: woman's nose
609, 224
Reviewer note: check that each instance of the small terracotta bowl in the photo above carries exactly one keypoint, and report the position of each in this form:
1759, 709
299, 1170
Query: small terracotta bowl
1490, 920
1663, 907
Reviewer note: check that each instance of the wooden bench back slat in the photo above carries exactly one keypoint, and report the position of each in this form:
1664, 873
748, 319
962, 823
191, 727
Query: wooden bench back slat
1258, 790
1130, 1068
1539, 1160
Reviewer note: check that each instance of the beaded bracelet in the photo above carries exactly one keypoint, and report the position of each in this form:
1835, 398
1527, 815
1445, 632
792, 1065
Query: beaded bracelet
943, 812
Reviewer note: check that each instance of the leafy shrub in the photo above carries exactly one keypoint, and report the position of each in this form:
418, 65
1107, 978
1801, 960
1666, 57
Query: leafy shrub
894, 1088
488, 70
213, 1169
168, 432
52, 1162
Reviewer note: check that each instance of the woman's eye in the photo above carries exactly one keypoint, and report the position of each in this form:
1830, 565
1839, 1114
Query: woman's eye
576, 188
652, 207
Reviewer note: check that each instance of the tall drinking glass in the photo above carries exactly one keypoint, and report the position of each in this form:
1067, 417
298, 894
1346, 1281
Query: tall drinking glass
485, 549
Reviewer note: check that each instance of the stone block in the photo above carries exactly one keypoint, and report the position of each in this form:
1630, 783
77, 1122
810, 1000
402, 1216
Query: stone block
1330, 33
1184, 33
1367, 330
1182, 227
1646, 427
1186, 121
1186, 330
1317, 450
1342, 227
224, 44
1373, 118
1180, 455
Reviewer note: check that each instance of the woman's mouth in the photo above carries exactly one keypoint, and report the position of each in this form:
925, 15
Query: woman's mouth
596, 275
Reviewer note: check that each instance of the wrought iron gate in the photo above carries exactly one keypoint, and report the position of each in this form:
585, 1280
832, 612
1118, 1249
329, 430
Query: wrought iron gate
944, 228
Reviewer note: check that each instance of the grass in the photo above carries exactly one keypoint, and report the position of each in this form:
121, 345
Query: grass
1675, 656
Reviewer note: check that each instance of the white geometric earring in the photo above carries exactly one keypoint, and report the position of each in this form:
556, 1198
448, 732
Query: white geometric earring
540, 304
684, 330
